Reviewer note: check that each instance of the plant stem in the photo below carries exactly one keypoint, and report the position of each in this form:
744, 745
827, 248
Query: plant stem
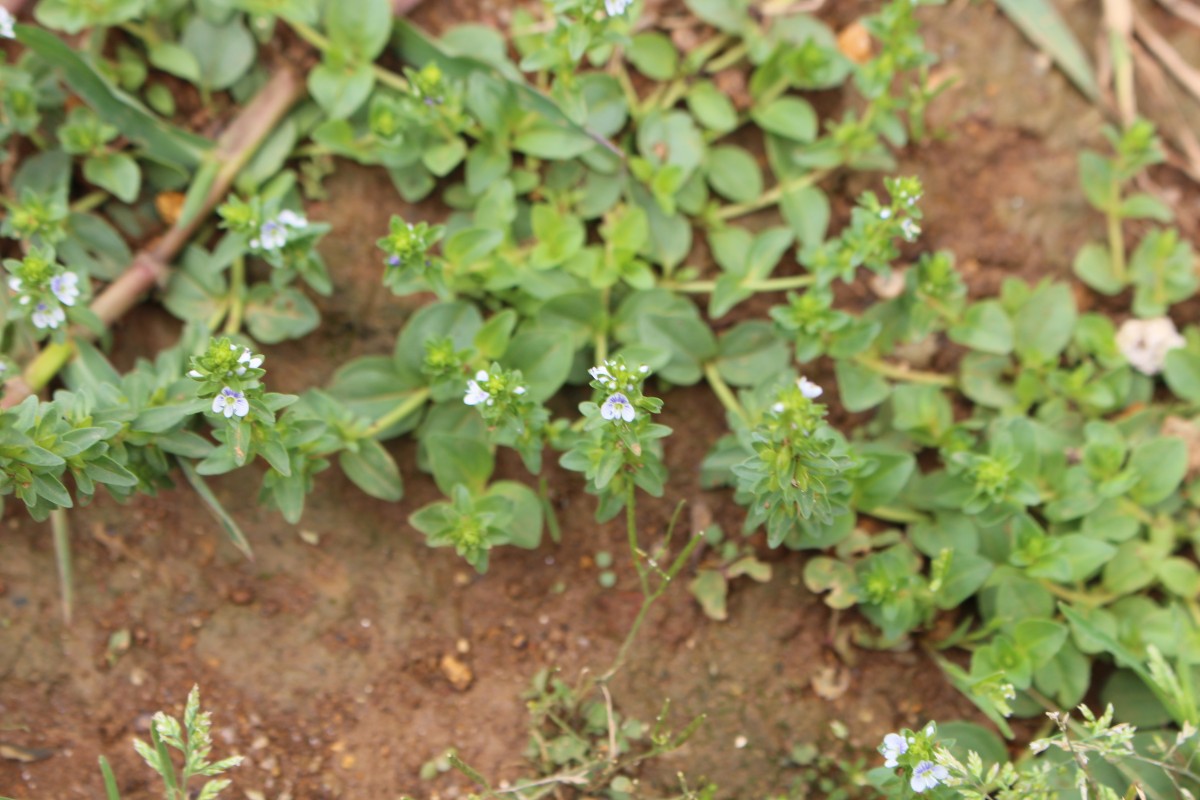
1089, 599
1116, 237
771, 196
237, 295
415, 400
899, 372
322, 43
89, 201
727, 59
600, 342
151, 266
722, 391
766, 285
894, 514
635, 550
62, 558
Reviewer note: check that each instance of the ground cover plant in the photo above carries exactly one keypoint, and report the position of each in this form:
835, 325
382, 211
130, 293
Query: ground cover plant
612, 227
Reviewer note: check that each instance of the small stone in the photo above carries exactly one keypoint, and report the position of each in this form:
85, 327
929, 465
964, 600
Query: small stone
462, 646
519, 641
855, 43
310, 537
457, 673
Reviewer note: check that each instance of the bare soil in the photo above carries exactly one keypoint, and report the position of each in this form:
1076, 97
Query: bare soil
326, 663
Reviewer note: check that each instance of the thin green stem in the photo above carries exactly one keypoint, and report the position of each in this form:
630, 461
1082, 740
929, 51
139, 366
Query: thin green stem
635, 550
771, 196
899, 372
89, 201
893, 514
322, 43
619, 661
600, 343
722, 391
237, 295
781, 284
1116, 237
414, 401
1089, 599
727, 59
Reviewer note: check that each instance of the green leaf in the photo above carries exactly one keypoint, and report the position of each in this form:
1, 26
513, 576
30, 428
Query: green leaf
360, 28
711, 107
273, 317
174, 59
544, 357
552, 143
1039, 639
1094, 266
224, 52
653, 55
468, 245
860, 388
807, 212
1044, 323
750, 353
1066, 677
214, 506
734, 173
1144, 206
1041, 22
525, 530
116, 172
341, 90
1182, 373
1161, 464
823, 574
456, 459
984, 327
790, 117
458, 321
372, 469
162, 141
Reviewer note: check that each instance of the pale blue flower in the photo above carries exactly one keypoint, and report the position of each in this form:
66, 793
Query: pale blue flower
809, 389
910, 230
617, 407
65, 288
291, 219
893, 747
231, 402
927, 775
44, 316
602, 375
271, 236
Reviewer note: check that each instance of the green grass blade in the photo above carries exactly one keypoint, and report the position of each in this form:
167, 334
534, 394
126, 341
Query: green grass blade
1041, 22
214, 505
162, 141
110, 780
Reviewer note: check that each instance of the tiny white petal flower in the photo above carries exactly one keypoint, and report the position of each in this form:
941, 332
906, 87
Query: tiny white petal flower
777, 408
809, 389
6, 24
519, 390
893, 747
230, 403
617, 407
46, 317
65, 287
927, 775
291, 219
910, 230
255, 244
475, 394
195, 373
14, 282
271, 236
481, 376
1146, 342
24, 300
616, 8
643, 369
600, 374
885, 213
247, 360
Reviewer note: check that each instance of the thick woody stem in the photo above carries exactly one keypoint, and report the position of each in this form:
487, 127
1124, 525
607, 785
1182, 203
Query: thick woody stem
152, 265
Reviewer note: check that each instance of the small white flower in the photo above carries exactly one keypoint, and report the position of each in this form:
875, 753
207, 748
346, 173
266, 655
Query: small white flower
476, 395
45, 317
885, 213
893, 747
601, 374
519, 390
616, 8
195, 373
927, 775
14, 282
617, 407
271, 236
809, 389
6, 24
248, 360
643, 369
291, 219
65, 288
481, 376
230, 403
778, 408
910, 230
1146, 342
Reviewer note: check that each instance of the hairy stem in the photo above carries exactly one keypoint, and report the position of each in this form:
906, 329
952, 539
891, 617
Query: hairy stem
722, 391
900, 372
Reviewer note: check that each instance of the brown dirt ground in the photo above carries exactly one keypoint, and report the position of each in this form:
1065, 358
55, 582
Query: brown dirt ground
321, 662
